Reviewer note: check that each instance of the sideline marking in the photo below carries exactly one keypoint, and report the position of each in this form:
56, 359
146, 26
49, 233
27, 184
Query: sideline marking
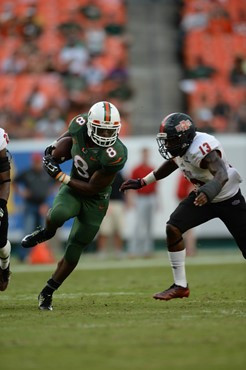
92, 263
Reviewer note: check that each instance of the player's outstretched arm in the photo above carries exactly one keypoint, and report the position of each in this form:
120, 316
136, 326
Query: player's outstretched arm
163, 171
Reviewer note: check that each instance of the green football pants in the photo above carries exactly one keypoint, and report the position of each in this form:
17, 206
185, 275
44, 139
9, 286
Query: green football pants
88, 213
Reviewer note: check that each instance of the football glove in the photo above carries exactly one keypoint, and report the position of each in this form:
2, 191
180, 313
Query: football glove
51, 166
1, 213
50, 148
132, 184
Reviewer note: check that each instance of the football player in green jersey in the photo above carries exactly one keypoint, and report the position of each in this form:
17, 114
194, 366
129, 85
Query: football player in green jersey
97, 155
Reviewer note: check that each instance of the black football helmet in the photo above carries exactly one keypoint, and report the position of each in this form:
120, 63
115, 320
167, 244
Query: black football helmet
177, 132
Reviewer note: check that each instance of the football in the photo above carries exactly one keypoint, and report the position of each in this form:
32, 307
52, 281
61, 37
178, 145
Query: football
62, 152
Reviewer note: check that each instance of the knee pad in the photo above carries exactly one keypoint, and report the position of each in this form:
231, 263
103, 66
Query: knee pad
4, 228
5, 250
173, 231
173, 234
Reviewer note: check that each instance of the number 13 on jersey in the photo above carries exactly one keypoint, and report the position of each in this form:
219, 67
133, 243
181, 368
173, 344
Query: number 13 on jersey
205, 148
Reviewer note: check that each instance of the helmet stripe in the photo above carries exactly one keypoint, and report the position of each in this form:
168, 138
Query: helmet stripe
107, 112
163, 123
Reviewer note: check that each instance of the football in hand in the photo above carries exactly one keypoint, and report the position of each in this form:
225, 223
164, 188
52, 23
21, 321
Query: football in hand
62, 152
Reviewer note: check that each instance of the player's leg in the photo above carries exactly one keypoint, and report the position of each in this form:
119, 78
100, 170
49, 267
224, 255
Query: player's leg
5, 249
84, 229
65, 207
233, 213
185, 217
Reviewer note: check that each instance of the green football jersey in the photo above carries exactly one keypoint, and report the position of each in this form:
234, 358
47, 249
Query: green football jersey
87, 160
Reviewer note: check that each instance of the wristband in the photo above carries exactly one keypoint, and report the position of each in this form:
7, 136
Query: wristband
148, 179
62, 177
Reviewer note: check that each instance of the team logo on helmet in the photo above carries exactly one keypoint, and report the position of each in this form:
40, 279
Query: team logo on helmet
183, 126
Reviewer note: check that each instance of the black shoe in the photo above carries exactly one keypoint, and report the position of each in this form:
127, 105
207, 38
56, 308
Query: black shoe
38, 236
45, 302
4, 278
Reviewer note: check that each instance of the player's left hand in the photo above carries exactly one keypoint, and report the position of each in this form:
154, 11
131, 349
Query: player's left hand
51, 166
201, 199
132, 184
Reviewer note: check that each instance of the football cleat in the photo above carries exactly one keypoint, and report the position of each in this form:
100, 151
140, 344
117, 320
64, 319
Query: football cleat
45, 302
175, 291
4, 278
38, 236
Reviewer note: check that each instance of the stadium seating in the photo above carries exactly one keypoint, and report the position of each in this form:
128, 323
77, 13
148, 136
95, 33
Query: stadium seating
48, 17
217, 43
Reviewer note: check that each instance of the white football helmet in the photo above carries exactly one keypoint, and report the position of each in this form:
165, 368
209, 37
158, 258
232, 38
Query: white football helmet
103, 124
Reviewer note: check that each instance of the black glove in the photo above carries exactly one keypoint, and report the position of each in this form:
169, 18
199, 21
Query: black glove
50, 148
132, 184
1, 213
51, 166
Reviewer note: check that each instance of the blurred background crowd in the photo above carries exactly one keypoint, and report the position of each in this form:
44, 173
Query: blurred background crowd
59, 57
212, 50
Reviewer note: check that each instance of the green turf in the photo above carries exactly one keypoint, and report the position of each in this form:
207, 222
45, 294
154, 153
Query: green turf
106, 318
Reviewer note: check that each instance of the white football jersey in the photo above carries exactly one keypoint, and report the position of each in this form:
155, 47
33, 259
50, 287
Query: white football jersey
3, 139
189, 164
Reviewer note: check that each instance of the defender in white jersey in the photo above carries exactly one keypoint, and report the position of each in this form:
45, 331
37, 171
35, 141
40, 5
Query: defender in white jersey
202, 160
5, 246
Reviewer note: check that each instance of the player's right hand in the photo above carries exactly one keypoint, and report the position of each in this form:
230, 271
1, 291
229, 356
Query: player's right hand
132, 184
51, 166
201, 199
50, 148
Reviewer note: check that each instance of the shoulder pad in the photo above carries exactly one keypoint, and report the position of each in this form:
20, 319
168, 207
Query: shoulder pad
115, 157
201, 146
76, 123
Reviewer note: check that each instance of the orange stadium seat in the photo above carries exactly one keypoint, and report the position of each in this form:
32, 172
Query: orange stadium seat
233, 95
16, 89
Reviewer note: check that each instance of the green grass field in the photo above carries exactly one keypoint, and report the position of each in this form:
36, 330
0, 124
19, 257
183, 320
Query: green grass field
105, 317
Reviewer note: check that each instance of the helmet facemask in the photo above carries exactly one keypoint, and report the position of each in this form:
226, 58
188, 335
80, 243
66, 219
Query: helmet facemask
104, 133
174, 146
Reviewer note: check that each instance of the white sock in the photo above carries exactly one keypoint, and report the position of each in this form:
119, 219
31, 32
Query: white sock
177, 261
5, 255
